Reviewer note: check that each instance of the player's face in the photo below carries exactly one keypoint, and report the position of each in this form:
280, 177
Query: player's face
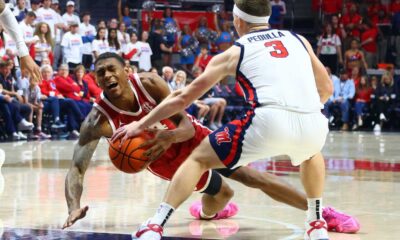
111, 77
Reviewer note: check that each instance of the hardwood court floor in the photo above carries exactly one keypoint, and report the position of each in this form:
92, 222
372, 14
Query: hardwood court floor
363, 179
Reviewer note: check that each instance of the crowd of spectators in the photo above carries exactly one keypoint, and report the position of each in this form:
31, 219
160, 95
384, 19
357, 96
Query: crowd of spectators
355, 38
358, 36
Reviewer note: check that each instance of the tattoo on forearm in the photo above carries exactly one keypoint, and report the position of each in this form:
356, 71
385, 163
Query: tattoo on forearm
74, 179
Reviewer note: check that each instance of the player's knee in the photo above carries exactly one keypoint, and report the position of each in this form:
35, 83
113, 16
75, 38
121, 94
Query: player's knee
248, 179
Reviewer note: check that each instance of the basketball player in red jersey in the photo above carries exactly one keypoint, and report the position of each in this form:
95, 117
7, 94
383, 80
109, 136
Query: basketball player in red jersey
124, 101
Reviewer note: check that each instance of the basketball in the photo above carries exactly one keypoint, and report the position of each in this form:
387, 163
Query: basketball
128, 157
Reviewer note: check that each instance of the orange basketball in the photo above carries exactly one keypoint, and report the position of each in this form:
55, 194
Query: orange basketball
128, 158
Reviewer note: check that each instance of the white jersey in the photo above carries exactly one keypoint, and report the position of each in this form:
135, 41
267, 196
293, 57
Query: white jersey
275, 70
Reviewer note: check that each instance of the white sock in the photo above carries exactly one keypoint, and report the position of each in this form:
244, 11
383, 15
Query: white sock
314, 211
205, 216
57, 119
163, 213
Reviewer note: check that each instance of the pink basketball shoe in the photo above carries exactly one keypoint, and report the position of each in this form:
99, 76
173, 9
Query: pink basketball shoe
340, 222
230, 210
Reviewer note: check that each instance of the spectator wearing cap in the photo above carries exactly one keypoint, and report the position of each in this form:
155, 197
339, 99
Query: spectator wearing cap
35, 6
72, 46
70, 17
343, 92
20, 10
88, 33
55, 5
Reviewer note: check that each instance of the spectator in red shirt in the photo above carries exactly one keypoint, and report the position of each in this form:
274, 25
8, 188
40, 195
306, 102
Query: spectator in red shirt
363, 98
55, 102
369, 40
352, 21
94, 88
70, 89
356, 76
204, 58
374, 8
395, 6
330, 7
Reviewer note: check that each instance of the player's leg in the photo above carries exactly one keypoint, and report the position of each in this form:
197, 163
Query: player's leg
181, 187
312, 174
214, 203
272, 185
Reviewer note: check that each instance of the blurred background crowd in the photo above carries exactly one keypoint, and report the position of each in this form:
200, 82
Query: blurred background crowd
358, 42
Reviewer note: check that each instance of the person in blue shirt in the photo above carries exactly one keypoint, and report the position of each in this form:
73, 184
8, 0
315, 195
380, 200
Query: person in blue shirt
343, 92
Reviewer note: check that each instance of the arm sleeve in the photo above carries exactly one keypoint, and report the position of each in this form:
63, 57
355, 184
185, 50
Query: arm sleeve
9, 22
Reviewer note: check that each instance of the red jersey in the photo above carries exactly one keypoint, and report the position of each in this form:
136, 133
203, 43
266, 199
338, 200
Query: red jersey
203, 61
165, 166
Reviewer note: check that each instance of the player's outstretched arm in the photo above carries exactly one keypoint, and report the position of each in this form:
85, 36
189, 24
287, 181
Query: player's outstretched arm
219, 67
322, 79
83, 152
10, 24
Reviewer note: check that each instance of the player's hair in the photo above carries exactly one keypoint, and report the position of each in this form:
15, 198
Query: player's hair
259, 8
108, 55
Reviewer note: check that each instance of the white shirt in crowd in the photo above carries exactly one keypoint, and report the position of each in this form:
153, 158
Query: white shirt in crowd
10, 46
50, 17
42, 49
87, 30
115, 50
129, 47
100, 46
123, 38
145, 56
27, 31
70, 18
328, 45
72, 47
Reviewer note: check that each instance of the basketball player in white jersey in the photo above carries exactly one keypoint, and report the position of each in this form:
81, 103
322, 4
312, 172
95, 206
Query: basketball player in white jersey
285, 84
10, 24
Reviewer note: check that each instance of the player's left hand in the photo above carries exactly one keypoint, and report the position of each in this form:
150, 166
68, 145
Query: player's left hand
133, 129
27, 64
162, 140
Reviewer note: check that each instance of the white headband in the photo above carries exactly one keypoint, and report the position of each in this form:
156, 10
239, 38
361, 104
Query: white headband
249, 18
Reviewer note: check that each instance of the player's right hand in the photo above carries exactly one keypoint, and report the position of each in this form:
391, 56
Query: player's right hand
75, 216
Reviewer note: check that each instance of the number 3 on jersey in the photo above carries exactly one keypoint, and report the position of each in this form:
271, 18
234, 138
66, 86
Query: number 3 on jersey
280, 50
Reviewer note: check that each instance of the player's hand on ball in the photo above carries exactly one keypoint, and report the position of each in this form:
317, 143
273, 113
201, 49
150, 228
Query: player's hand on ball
127, 131
75, 216
163, 139
27, 64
